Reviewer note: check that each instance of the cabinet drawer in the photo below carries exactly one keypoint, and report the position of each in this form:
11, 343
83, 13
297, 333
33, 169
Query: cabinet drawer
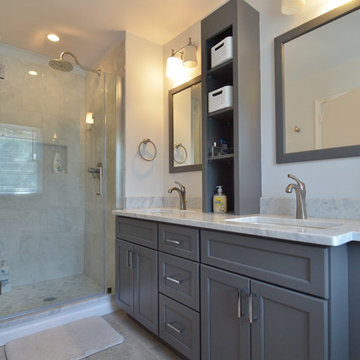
179, 279
140, 232
179, 327
295, 266
179, 240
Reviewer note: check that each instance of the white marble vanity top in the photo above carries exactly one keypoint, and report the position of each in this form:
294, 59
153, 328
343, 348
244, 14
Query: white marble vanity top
329, 232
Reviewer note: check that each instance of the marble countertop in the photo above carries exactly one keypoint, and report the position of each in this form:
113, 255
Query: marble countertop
327, 232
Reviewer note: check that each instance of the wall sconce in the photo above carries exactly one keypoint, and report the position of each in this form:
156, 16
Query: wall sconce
89, 120
186, 56
291, 7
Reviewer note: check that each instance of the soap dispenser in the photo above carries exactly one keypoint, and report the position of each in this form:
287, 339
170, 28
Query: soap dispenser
219, 201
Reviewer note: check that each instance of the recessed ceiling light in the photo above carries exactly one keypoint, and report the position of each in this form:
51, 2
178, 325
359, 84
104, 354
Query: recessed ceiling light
53, 37
32, 72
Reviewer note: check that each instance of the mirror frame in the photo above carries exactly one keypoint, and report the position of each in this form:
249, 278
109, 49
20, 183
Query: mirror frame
320, 154
172, 168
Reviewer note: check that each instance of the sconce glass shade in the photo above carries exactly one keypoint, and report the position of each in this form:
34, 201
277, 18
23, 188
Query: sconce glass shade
172, 66
291, 7
190, 59
89, 118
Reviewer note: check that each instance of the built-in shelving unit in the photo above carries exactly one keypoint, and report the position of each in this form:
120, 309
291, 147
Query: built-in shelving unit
239, 125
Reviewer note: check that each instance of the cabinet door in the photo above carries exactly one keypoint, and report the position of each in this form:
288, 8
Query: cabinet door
124, 276
287, 325
146, 287
224, 322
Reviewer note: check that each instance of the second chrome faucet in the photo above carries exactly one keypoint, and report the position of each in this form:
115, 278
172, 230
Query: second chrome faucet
300, 192
182, 194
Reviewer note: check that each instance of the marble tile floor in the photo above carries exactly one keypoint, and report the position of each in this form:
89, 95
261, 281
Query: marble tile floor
29, 297
139, 344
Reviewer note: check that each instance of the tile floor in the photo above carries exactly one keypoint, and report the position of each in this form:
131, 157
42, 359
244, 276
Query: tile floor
138, 345
28, 297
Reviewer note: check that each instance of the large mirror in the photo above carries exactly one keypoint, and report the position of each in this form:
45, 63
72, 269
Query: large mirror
317, 75
185, 127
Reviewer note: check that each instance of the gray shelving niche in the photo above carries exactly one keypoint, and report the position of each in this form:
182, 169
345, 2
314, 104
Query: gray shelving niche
238, 171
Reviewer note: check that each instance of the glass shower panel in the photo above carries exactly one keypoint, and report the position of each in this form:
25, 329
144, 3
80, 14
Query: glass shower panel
51, 206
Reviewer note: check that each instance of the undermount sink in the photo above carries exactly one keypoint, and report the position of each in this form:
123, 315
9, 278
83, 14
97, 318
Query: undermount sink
284, 222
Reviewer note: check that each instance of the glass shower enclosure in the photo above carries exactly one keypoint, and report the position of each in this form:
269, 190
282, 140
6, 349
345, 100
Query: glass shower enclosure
52, 193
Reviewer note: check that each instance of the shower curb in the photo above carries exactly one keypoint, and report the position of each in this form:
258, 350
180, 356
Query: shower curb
26, 325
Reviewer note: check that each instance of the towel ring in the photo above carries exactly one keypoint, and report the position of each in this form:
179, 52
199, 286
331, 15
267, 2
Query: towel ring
146, 141
177, 146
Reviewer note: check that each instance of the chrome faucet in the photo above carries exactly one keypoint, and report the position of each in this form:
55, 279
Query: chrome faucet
300, 191
182, 194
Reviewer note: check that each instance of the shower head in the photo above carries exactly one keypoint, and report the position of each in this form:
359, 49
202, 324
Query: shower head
64, 65
61, 65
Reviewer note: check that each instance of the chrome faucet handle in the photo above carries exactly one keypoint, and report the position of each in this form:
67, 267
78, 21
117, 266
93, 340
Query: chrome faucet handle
182, 187
299, 182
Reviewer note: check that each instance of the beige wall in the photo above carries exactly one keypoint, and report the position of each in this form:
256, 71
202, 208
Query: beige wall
192, 180
143, 116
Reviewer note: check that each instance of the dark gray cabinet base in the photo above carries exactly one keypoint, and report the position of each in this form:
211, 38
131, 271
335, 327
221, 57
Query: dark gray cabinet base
137, 287
254, 302
179, 326
224, 324
282, 324
287, 325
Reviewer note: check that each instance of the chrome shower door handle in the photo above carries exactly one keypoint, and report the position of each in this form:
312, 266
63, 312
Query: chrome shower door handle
100, 168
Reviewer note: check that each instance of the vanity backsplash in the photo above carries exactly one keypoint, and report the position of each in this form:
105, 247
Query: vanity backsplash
342, 208
144, 202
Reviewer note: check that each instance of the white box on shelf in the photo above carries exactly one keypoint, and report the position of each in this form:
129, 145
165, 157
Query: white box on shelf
220, 98
222, 51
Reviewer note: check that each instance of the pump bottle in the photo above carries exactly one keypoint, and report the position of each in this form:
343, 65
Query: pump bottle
219, 201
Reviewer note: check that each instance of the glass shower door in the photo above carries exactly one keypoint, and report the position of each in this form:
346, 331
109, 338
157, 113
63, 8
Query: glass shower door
51, 207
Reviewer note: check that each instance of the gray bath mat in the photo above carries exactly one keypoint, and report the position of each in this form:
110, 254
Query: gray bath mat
72, 341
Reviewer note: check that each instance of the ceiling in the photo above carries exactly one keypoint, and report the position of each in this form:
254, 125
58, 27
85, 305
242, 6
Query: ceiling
89, 27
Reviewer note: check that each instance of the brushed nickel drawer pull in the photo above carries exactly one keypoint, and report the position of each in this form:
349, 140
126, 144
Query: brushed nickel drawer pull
251, 318
173, 280
172, 327
173, 242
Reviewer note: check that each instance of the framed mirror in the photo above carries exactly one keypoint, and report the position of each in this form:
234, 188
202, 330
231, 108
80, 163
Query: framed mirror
317, 79
185, 127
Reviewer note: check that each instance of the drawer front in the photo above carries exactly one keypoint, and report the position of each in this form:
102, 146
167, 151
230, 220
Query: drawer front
140, 232
295, 266
179, 279
179, 240
180, 327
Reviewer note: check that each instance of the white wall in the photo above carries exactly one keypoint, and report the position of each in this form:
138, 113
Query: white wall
143, 116
191, 180
338, 178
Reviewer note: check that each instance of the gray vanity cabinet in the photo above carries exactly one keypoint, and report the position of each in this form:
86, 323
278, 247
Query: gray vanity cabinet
282, 324
137, 271
225, 328
124, 276
146, 287
248, 298
287, 325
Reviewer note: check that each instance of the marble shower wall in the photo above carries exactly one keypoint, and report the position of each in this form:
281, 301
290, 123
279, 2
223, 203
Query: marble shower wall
42, 234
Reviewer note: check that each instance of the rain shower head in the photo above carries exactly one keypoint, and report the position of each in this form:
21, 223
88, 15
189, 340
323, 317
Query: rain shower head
61, 65
64, 65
